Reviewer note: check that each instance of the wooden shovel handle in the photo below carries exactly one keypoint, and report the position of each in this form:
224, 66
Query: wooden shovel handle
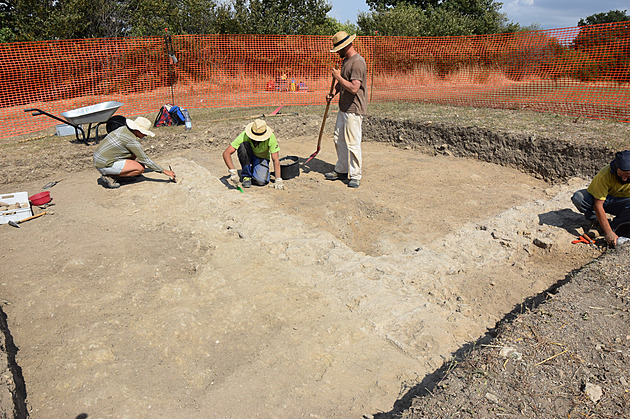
30, 218
321, 130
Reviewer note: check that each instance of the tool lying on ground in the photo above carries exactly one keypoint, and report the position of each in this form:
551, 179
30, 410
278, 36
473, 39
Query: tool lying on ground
321, 130
584, 238
16, 223
277, 111
51, 184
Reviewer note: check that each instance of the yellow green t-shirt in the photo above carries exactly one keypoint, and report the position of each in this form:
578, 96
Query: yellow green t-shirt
263, 150
606, 184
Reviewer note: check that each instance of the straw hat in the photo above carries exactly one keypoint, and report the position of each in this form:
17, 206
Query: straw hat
340, 40
258, 130
140, 124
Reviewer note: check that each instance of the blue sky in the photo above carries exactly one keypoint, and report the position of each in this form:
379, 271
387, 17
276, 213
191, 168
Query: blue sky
549, 14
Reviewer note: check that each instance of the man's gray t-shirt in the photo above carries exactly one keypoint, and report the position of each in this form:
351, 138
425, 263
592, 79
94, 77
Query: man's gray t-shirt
354, 68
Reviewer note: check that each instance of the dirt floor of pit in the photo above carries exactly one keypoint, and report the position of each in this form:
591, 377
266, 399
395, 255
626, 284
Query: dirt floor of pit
193, 299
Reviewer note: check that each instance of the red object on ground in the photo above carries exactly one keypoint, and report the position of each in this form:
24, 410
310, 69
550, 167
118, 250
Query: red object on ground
277, 110
40, 198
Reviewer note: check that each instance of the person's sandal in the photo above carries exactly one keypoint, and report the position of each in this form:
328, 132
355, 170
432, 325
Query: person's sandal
109, 182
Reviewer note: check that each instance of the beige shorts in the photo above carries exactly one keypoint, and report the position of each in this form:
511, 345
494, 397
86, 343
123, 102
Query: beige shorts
114, 169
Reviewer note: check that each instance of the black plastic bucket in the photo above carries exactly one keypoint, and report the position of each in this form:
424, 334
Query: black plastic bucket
289, 167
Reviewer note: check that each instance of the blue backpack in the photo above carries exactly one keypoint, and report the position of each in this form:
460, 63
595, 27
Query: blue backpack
177, 115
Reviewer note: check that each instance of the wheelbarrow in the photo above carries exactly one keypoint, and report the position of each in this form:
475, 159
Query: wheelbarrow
93, 114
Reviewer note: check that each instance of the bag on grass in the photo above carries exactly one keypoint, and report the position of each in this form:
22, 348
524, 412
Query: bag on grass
177, 115
163, 118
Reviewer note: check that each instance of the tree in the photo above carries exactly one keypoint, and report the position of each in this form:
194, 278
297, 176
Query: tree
284, 17
89, 18
381, 5
485, 15
28, 19
407, 20
31, 20
603, 48
6, 21
606, 17
448, 18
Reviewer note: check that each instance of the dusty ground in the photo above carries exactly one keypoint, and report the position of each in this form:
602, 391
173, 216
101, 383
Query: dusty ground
192, 299
566, 358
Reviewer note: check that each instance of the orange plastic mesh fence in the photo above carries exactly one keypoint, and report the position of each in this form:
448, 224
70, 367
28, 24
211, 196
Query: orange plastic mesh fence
582, 71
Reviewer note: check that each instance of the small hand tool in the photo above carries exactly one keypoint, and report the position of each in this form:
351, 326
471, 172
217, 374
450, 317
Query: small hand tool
51, 184
16, 223
584, 238
173, 178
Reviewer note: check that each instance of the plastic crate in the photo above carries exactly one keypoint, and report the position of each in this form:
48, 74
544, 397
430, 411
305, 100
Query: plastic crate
65, 130
16, 214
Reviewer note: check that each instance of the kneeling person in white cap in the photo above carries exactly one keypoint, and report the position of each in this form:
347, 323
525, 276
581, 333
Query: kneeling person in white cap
256, 146
121, 155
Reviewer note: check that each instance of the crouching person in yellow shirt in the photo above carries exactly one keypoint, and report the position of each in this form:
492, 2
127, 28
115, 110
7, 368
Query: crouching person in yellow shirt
609, 192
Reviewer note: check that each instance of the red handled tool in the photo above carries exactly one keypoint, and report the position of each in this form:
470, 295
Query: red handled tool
584, 238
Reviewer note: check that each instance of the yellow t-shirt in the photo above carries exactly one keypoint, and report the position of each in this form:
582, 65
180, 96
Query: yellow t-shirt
606, 184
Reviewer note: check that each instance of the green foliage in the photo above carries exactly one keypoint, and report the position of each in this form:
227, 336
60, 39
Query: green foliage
484, 14
451, 18
604, 51
381, 5
30, 20
348, 27
434, 18
6, 35
606, 17
285, 17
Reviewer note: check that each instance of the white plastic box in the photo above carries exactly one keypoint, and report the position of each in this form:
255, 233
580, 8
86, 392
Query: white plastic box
15, 214
65, 129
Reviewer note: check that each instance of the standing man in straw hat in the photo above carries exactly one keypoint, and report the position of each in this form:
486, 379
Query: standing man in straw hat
256, 146
120, 154
352, 87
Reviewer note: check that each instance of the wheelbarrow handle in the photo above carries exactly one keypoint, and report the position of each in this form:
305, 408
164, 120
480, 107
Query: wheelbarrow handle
35, 111
63, 121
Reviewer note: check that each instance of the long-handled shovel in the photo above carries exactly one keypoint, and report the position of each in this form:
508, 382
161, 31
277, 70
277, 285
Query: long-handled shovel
172, 60
321, 130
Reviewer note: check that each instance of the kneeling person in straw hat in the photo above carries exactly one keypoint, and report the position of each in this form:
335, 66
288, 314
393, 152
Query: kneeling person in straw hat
255, 147
121, 155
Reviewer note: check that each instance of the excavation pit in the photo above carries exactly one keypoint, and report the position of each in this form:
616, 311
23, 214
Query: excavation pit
322, 298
